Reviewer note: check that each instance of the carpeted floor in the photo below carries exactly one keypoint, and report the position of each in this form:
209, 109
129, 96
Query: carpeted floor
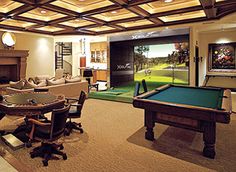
113, 141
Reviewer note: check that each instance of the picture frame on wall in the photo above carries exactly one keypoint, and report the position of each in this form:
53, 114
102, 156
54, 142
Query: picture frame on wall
222, 57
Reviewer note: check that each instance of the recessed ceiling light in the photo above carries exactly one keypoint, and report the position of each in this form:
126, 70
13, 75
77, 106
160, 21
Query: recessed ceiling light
43, 11
114, 12
168, 1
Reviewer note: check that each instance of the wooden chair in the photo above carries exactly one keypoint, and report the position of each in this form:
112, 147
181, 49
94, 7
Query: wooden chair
47, 133
75, 112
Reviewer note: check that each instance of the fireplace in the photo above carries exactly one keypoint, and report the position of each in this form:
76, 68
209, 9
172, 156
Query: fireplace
12, 65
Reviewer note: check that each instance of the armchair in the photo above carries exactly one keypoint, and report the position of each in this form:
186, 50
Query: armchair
47, 133
75, 112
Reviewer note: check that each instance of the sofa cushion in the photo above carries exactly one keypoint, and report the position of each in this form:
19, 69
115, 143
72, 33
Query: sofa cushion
73, 79
28, 85
43, 83
18, 85
40, 78
56, 82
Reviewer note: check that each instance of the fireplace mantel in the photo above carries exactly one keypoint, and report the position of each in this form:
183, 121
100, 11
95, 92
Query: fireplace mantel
15, 57
14, 53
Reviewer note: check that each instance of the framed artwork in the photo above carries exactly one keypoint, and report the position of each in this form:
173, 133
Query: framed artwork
222, 57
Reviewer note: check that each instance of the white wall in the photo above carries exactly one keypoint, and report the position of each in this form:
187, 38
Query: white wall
41, 53
78, 50
205, 38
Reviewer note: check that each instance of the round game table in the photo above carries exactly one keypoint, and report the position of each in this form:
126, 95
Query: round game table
28, 104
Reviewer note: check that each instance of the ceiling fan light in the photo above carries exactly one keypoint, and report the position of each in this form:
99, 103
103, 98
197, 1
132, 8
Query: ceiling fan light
168, 1
43, 12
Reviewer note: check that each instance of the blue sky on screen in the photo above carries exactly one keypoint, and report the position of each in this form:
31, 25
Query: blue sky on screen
161, 50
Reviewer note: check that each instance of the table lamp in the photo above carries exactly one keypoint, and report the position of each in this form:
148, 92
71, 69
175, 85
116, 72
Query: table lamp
87, 74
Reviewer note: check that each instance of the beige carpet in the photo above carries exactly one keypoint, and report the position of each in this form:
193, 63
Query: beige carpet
113, 141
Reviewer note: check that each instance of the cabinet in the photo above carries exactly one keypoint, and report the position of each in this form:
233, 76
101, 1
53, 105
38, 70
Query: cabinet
99, 75
98, 52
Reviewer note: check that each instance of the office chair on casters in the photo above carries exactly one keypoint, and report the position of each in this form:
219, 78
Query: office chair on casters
48, 133
75, 112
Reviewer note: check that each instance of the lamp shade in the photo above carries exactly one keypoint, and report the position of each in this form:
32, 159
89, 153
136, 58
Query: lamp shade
88, 72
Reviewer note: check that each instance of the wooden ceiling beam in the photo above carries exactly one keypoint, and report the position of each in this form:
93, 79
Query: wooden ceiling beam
29, 2
178, 11
63, 32
88, 26
225, 10
62, 26
225, 3
139, 2
20, 10
11, 27
139, 11
101, 10
34, 26
95, 20
86, 31
120, 2
72, 33
157, 21
116, 26
29, 20
60, 10
125, 20
63, 19
208, 7
42, 2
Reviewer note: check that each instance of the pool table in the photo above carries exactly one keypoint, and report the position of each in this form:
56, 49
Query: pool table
194, 108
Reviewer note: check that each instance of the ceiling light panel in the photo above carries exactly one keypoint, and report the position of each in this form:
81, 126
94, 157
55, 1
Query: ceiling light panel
42, 14
8, 5
183, 16
111, 16
100, 29
82, 6
161, 6
135, 23
16, 23
49, 29
77, 23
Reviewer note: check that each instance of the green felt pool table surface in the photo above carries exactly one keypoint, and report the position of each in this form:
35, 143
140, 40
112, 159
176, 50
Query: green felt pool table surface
200, 97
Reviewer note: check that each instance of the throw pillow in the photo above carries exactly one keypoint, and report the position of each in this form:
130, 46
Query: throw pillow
18, 85
56, 82
40, 78
29, 85
74, 79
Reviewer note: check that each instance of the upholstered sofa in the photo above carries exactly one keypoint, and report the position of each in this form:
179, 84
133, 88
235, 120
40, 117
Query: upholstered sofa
68, 89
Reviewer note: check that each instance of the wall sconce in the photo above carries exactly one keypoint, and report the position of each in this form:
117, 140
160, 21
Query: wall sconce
8, 40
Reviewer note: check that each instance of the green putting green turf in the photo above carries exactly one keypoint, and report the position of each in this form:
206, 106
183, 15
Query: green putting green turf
190, 96
123, 93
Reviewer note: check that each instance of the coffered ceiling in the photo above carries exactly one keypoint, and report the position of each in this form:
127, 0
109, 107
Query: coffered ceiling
94, 17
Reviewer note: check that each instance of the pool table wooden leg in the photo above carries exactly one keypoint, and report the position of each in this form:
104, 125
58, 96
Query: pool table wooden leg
149, 123
209, 138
